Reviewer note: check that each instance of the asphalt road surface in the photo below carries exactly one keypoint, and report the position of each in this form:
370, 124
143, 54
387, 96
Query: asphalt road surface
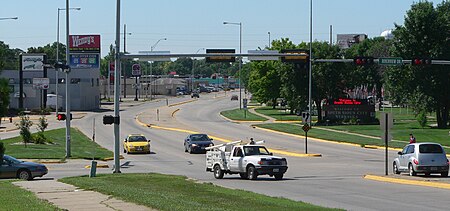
333, 180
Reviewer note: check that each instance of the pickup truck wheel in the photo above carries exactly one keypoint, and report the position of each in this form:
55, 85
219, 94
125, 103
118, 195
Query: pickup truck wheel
218, 173
278, 176
251, 173
243, 175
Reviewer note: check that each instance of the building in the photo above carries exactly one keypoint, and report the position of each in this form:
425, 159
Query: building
84, 88
347, 40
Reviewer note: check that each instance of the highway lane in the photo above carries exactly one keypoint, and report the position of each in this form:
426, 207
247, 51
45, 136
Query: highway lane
334, 180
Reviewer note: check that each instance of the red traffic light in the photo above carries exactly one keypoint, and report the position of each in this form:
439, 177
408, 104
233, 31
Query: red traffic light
61, 117
420, 61
363, 61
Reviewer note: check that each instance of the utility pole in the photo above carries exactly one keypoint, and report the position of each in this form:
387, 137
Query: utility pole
124, 70
68, 154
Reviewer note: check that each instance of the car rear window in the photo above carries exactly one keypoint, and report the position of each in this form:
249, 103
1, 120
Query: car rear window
430, 148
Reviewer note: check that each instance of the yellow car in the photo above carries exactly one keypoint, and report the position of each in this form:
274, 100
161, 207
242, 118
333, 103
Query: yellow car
136, 143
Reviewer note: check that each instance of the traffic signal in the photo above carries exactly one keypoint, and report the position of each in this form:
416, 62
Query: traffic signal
420, 61
363, 61
61, 117
108, 120
295, 56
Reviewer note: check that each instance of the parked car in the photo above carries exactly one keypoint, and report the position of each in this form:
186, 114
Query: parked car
136, 143
195, 94
11, 167
234, 97
424, 157
204, 89
197, 143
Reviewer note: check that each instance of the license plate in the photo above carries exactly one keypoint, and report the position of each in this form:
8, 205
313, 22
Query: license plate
433, 168
139, 149
276, 170
203, 147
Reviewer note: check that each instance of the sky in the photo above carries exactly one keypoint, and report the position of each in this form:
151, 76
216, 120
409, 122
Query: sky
197, 24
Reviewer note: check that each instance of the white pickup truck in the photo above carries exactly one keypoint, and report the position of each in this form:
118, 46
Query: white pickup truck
249, 161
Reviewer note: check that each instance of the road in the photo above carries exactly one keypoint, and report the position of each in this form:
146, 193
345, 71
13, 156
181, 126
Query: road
333, 180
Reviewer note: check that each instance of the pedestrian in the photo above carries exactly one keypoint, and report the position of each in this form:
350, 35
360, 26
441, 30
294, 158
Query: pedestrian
412, 139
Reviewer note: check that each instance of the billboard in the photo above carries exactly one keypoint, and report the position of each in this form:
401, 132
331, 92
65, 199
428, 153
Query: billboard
345, 109
32, 62
85, 61
84, 43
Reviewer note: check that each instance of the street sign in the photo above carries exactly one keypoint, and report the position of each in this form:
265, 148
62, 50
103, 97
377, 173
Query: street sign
389, 121
136, 70
306, 127
305, 117
41, 83
262, 57
393, 61
244, 102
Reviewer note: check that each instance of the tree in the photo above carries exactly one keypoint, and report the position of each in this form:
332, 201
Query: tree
4, 98
50, 51
425, 34
24, 125
8, 57
264, 81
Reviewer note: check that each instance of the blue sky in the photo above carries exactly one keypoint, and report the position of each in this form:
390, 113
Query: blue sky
191, 25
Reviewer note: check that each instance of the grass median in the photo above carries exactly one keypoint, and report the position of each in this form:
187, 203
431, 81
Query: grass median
15, 198
242, 115
81, 146
170, 192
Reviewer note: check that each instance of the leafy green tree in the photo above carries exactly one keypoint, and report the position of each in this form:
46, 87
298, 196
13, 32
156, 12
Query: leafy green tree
9, 57
425, 34
422, 119
24, 126
264, 81
4, 97
50, 51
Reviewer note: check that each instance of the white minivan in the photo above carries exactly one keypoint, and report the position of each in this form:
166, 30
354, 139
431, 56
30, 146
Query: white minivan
424, 157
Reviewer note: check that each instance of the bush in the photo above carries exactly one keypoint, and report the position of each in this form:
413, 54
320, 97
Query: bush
24, 125
39, 138
422, 119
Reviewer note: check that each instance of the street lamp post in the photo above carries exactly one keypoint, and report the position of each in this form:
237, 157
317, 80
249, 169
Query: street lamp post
57, 54
269, 38
11, 18
310, 61
124, 52
192, 76
151, 68
240, 58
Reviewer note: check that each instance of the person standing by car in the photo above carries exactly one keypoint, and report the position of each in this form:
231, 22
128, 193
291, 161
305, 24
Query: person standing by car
412, 139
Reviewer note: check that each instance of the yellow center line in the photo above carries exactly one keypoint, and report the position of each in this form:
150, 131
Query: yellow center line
408, 182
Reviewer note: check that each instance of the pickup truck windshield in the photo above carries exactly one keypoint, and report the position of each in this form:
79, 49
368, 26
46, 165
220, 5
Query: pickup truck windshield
255, 150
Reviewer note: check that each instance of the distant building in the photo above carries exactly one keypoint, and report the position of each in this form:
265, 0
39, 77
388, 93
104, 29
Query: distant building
347, 40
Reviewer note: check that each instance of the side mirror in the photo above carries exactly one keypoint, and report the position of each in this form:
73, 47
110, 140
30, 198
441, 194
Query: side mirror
399, 153
270, 153
210, 139
148, 141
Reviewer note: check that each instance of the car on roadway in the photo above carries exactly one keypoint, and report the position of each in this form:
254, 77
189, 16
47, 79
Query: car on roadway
136, 143
195, 94
424, 158
11, 167
197, 143
234, 97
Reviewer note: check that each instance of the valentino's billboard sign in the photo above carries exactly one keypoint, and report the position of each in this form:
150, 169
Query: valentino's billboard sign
84, 43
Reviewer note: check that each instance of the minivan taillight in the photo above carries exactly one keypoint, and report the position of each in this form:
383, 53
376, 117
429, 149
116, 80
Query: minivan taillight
416, 162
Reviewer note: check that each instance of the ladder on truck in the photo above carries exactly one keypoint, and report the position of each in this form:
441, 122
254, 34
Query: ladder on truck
216, 147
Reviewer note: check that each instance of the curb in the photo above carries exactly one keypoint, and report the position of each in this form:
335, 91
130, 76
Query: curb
408, 182
180, 103
112, 158
98, 166
176, 110
51, 162
240, 121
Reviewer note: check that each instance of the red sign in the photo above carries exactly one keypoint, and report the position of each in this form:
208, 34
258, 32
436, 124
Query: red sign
84, 43
344, 101
112, 67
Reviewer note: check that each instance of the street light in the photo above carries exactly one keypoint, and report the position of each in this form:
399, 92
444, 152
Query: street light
151, 67
240, 58
124, 52
12, 18
269, 38
193, 62
57, 54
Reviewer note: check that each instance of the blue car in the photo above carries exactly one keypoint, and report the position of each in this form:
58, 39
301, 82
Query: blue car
197, 143
12, 168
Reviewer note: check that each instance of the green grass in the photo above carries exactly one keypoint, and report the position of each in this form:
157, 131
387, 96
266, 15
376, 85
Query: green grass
169, 192
404, 124
239, 114
81, 146
278, 113
15, 198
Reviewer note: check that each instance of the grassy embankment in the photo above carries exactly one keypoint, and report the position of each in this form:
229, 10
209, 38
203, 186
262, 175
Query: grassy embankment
81, 147
170, 192
15, 198
242, 115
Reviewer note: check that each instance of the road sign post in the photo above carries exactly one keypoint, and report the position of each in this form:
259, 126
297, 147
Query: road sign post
306, 128
136, 72
386, 123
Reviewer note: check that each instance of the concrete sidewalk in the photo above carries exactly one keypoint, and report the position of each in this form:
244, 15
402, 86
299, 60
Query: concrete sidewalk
69, 197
